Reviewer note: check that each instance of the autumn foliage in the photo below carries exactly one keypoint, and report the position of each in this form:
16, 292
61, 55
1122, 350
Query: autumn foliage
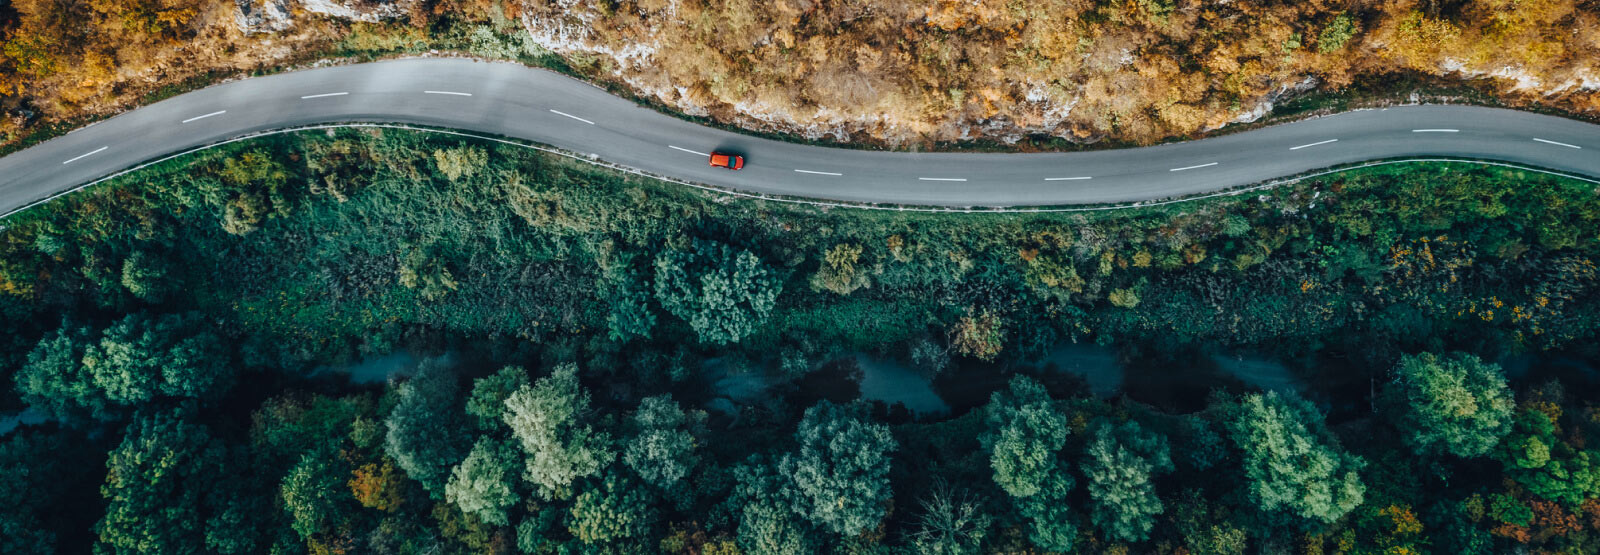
895, 72
1138, 70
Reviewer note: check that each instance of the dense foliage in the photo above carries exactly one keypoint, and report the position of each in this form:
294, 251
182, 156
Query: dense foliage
1407, 300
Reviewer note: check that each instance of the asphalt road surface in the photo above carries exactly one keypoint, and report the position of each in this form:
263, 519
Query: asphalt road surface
545, 107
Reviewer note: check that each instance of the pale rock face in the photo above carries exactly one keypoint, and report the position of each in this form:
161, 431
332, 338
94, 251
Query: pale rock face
263, 16
1264, 107
370, 11
271, 16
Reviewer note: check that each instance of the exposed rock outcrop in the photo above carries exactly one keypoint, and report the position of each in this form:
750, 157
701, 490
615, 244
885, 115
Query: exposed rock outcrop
263, 16
271, 16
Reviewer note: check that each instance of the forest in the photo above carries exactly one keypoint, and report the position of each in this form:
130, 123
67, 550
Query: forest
905, 74
177, 336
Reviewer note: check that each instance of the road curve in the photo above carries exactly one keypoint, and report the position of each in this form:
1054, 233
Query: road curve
545, 107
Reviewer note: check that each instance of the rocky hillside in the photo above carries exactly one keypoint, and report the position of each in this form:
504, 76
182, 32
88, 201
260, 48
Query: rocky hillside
1137, 70
862, 70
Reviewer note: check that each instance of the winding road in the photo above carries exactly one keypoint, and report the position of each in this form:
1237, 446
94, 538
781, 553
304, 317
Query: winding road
542, 106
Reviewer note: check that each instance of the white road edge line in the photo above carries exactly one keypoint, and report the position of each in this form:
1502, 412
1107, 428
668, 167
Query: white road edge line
1193, 167
1066, 178
1435, 130
85, 155
447, 92
216, 113
1314, 144
818, 173
942, 178
324, 95
1556, 143
561, 113
687, 150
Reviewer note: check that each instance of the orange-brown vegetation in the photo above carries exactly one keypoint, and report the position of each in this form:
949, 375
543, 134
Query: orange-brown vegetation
63, 59
68, 57
895, 72
1138, 70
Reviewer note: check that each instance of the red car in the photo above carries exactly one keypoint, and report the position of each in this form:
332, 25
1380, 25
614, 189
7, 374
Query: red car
725, 160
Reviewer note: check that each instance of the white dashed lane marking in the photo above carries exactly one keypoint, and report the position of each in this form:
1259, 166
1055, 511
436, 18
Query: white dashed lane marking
1192, 167
688, 151
1313, 144
561, 113
196, 118
85, 155
1556, 143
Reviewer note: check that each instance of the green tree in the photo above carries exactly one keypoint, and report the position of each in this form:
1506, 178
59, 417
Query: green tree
724, 293
662, 450
841, 473
1294, 465
54, 379
1051, 524
765, 503
629, 294
487, 402
950, 522
258, 180
156, 485
537, 531
839, 272
1458, 405
145, 276
1550, 468
611, 511
140, 357
483, 484
549, 420
313, 494
426, 433
70, 374
1120, 463
1336, 34
121, 363
1024, 436
631, 316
